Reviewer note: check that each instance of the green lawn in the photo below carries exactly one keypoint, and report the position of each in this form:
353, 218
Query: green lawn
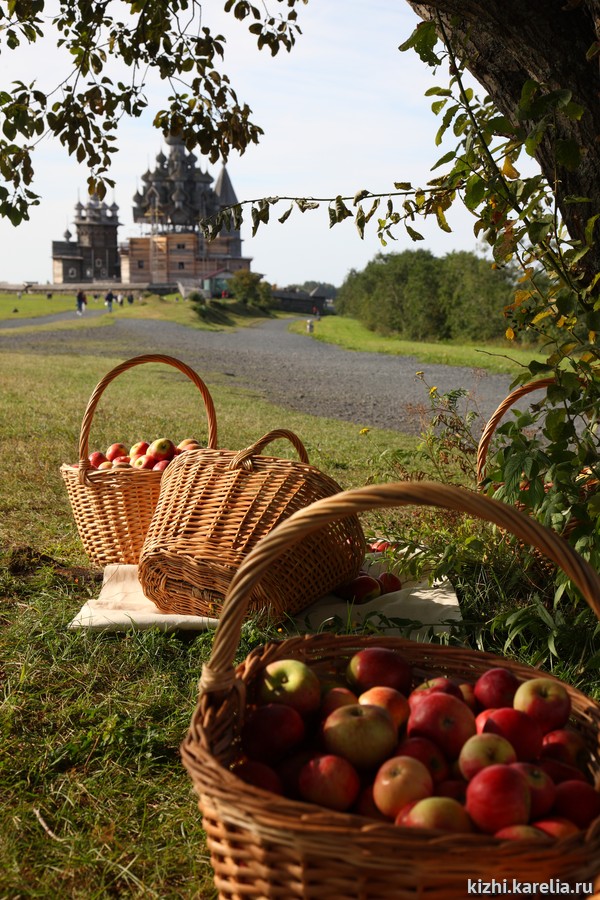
350, 334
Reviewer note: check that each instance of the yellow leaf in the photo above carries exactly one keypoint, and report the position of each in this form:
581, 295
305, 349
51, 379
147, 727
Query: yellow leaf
509, 334
508, 170
542, 315
592, 337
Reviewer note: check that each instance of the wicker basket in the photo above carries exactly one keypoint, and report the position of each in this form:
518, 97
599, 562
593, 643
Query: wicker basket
215, 506
113, 508
266, 846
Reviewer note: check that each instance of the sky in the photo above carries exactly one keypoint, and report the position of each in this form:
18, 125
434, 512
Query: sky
345, 110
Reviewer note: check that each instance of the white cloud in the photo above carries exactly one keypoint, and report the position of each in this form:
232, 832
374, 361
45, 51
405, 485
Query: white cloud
344, 110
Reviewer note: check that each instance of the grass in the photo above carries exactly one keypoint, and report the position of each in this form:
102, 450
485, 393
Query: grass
95, 801
215, 315
351, 335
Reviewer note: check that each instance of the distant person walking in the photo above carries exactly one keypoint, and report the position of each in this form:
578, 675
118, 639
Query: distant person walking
81, 302
130, 297
108, 300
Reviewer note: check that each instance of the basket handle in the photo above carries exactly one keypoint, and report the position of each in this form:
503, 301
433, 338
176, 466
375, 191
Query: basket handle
243, 459
84, 463
495, 419
219, 675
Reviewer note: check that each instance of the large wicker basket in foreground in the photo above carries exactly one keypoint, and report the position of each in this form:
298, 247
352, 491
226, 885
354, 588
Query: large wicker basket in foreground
266, 846
113, 508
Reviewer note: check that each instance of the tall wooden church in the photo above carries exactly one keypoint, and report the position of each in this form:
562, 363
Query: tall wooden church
170, 250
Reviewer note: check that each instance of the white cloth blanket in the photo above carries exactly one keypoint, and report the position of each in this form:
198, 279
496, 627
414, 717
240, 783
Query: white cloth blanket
121, 606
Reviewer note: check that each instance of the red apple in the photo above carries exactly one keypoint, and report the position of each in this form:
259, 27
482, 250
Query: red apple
482, 750
577, 801
334, 697
482, 717
389, 582
568, 746
188, 444
556, 827
121, 459
96, 458
161, 465
379, 667
519, 729
522, 833
105, 465
426, 752
364, 735
560, 771
163, 448
365, 805
260, 775
116, 450
441, 685
498, 796
143, 462
452, 787
546, 700
139, 448
468, 694
271, 732
439, 813
390, 699
398, 781
292, 682
496, 687
543, 789
360, 590
290, 767
445, 720
330, 781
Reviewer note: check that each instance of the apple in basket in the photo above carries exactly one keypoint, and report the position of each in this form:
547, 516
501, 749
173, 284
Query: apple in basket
545, 700
519, 728
161, 465
443, 719
541, 786
272, 732
143, 462
188, 444
566, 745
377, 666
439, 813
138, 449
577, 801
116, 450
162, 448
498, 796
96, 458
330, 781
482, 750
364, 735
399, 781
496, 688
426, 752
290, 681
391, 700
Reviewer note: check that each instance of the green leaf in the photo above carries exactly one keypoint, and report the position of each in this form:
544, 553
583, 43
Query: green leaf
413, 234
423, 40
474, 192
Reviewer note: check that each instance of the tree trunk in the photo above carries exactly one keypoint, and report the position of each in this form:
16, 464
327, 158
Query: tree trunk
507, 42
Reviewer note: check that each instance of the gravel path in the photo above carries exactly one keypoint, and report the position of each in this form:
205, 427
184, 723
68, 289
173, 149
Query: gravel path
292, 370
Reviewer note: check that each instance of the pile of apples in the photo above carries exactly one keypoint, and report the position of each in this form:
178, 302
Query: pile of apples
497, 756
366, 586
142, 455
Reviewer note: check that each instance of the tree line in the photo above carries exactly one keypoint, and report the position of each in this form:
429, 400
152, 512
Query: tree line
419, 296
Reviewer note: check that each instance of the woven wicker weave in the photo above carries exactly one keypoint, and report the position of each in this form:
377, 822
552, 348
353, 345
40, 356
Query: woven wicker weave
214, 506
266, 846
113, 508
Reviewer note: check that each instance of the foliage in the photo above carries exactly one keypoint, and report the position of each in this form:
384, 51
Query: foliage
98, 40
249, 288
421, 297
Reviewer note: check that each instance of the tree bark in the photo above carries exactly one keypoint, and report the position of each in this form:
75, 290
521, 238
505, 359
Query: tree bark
506, 42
